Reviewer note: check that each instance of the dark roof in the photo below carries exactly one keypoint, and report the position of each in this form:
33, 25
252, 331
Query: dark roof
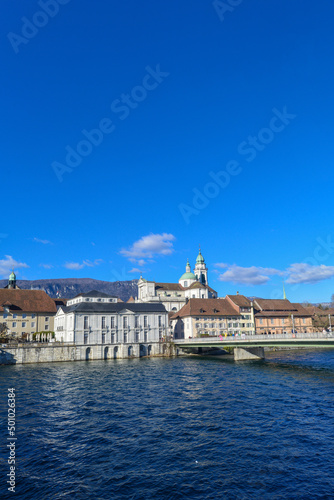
206, 307
27, 300
168, 286
114, 307
94, 294
280, 314
60, 302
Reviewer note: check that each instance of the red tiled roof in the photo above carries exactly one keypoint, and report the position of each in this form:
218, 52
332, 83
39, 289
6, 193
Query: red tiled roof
240, 300
316, 311
27, 300
206, 307
274, 305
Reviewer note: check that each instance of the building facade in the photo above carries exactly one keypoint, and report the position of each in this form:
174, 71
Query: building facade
245, 308
206, 317
98, 318
281, 316
26, 312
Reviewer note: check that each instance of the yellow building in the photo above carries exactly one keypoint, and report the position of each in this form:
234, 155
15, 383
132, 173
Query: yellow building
26, 312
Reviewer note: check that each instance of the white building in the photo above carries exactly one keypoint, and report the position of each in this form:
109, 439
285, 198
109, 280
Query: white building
191, 285
97, 318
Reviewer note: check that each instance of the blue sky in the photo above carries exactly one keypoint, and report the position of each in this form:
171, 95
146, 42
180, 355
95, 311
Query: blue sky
133, 132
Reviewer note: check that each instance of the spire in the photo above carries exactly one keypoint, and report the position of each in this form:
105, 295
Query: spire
12, 280
200, 259
188, 268
284, 294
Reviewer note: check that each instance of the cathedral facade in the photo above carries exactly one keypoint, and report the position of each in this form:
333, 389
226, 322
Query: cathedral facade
175, 295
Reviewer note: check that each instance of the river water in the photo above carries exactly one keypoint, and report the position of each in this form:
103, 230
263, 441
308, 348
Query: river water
192, 428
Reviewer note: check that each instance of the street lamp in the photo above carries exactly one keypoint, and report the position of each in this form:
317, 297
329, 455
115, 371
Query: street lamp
330, 324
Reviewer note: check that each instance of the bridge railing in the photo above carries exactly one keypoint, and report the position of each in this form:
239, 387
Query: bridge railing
262, 337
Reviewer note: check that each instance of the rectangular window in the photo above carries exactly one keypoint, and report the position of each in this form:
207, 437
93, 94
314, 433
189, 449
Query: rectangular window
125, 337
33, 316
271, 321
137, 337
145, 336
33, 324
46, 327
112, 338
86, 322
14, 316
160, 321
103, 338
46, 319
14, 324
112, 321
24, 315
23, 324
125, 322
103, 321
282, 321
145, 321
136, 321
304, 321
86, 338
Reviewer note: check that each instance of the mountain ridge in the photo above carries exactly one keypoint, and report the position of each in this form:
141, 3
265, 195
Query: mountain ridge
70, 287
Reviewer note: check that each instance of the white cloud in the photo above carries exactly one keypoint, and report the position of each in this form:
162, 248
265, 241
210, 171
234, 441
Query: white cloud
305, 273
76, 266
44, 242
148, 247
247, 275
8, 263
46, 266
221, 265
135, 270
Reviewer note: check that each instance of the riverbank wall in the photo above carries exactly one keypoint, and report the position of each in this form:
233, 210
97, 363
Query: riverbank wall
60, 352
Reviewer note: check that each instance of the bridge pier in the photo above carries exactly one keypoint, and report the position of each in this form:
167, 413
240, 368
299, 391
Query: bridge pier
242, 353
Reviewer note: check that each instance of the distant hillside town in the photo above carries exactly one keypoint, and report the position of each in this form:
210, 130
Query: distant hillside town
140, 311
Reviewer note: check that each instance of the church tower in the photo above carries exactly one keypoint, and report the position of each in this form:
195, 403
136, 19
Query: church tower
201, 271
12, 280
188, 278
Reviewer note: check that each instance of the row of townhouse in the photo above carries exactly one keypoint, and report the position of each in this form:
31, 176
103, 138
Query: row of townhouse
236, 314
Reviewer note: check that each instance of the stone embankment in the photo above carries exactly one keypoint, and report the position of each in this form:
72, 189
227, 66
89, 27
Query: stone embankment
57, 352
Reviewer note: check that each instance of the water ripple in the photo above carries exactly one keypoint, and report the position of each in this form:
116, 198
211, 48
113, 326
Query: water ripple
194, 428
